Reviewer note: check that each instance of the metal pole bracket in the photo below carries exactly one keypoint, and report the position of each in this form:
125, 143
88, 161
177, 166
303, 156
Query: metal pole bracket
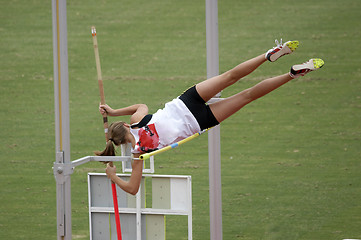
62, 170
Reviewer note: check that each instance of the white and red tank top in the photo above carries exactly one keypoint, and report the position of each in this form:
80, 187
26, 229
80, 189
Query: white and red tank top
168, 125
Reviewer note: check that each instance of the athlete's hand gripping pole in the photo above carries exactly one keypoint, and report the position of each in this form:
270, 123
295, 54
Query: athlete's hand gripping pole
174, 145
105, 124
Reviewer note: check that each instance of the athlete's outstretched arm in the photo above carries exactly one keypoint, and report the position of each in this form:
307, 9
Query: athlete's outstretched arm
130, 110
137, 111
132, 186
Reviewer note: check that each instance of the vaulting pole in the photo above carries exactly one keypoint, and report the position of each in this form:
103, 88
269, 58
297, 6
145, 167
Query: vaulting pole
100, 80
214, 142
105, 125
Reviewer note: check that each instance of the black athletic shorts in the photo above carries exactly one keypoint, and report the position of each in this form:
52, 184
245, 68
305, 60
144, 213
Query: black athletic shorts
198, 108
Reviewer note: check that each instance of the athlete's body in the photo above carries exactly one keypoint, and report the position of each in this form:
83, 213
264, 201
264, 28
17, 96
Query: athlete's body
188, 114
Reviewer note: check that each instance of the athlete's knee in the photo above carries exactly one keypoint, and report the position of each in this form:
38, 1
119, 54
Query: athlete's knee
248, 96
230, 77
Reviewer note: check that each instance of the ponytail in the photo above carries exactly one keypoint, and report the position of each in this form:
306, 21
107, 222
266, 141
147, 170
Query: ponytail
108, 151
117, 133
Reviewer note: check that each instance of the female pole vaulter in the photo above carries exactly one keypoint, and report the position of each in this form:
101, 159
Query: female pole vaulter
189, 113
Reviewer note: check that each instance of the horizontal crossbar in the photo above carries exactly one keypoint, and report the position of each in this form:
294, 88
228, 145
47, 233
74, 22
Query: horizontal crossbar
87, 159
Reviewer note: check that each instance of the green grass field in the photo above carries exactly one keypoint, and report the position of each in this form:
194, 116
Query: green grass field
291, 164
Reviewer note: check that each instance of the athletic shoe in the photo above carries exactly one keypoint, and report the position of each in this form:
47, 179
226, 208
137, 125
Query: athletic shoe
281, 50
304, 68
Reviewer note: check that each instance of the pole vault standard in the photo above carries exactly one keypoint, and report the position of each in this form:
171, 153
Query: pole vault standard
214, 141
62, 166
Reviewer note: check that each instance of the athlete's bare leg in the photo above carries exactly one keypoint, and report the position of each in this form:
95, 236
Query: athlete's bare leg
210, 87
227, 107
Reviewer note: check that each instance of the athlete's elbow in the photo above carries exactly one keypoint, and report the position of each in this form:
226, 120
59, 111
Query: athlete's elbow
143, 106
133, 190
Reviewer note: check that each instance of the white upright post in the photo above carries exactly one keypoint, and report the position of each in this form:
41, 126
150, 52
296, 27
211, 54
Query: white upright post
214, 142
62, 165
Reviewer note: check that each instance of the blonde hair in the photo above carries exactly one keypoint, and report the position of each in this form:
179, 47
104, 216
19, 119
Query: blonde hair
117, 133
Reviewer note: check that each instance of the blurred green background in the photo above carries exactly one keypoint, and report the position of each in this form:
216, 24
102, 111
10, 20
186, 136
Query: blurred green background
290, 161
